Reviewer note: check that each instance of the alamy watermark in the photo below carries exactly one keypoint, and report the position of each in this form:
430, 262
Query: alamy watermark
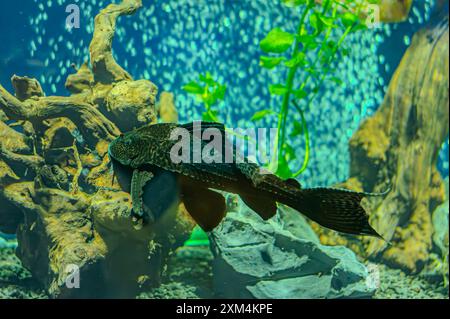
373, 16
73, 19
214, 146
373, 276
72, 273
372, 12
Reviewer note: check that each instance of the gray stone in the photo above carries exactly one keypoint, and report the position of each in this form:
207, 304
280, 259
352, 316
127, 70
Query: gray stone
440, 224
295, 223
260, 259
5, 242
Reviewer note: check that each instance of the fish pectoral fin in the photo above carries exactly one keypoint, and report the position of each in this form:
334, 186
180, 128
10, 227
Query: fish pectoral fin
206, 207
264, 207
138, 181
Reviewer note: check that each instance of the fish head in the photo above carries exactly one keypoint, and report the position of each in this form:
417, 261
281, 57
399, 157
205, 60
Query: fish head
127, 149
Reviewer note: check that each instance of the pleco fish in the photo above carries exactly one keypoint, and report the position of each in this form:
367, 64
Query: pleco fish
143, 162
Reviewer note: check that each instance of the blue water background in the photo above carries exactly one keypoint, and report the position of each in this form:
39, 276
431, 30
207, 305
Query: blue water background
171, 41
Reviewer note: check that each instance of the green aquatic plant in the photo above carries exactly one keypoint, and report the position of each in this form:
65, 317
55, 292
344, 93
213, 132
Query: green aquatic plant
322, 29
197, 238
209, 92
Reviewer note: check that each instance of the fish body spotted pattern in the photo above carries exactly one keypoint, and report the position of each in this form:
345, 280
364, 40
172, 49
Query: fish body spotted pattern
146, 152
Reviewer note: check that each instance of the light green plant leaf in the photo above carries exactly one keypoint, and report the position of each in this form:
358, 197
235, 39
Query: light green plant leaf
313, 72
289, 153
328, 21
220, 91
277, 89
348, 19
210, 116
209, 99
261, 114
193, 87
283, 169
300, 94
309, 41
299, 59
359, 27
293, 3
277, 41
207, 79
270, 62
336, 80
298, 129
316, 23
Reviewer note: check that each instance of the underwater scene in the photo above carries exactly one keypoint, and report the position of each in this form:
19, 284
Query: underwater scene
224, 149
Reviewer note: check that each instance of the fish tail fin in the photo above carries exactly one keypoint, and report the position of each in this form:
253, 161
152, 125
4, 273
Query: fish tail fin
336, 209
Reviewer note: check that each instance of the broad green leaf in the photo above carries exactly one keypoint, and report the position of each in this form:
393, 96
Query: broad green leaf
193, 87
293, 3
261, 114
313, 72
349, 19
316, 23
309, 41
209, 99
359, 27
328, 21
277, 41
210, 116
277, 89
289, 153
329, 49
207, 79
325, 4
300, 94
297, 60
325, 59
332, 44
298, 129
336, 80
343, 5
219, 93
270, 62
283, 169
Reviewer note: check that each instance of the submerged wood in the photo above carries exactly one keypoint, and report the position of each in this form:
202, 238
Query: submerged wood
398, 148
55, 180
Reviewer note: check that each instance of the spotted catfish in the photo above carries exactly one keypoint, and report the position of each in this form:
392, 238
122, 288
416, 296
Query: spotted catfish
145, 157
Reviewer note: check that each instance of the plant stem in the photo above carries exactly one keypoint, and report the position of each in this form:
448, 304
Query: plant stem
327, 36
305, 129
305, 132
289, 84
338, 45
281, 129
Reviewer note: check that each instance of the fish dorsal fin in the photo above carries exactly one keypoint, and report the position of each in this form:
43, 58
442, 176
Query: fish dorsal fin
199, 128
191, 127
294, 183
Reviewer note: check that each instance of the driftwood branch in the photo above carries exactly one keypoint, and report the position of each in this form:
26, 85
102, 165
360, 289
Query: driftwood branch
55, 177
398, 147
105, 68
92, 124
